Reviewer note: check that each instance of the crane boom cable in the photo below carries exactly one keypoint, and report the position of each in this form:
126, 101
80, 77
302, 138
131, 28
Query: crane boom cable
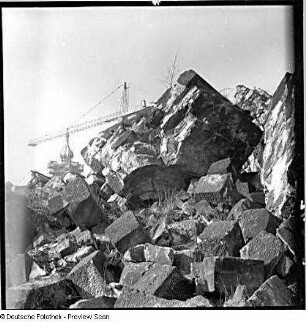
92, 108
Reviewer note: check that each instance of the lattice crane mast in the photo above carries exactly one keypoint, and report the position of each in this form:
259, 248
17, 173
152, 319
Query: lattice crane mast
74, 128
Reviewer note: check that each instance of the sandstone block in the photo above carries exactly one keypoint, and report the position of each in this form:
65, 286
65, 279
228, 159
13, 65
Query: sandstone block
266, 247
273, 292
126, 232
223, 274
221, 238
254, 221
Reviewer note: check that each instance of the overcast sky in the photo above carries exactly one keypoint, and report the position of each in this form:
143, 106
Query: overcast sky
59, 62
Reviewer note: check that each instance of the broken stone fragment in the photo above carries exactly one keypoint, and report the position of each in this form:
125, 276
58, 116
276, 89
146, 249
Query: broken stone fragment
183, 232
130, 298
254, 221
18, 269
273, 292
90, 276
266, 247
36, 272
149, 253
284, 266
102, 302
286, 233
47, 293
132, 272
240, 206
106, 191
82, 252
220, 238
126, 232
82, 237
166, 282
216, 188
258, 197
223, 274
239, 298
223, 166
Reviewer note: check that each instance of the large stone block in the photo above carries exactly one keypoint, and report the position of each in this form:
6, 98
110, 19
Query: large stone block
90, 276
221, 238
240, 207
256, 220
266, 247
166, 282
132, 272
272, 293
183, 232
150, 253
223, 274
126, 232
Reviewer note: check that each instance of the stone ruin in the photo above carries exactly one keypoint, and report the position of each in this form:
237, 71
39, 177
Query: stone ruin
192, 202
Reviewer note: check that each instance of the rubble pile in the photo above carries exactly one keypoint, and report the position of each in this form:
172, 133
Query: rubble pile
168, 217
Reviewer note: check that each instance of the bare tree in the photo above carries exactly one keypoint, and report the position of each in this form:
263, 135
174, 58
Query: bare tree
171, 73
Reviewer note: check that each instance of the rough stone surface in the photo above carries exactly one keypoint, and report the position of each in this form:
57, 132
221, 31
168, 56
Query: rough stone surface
183, 259
221, 167
90, 276
183, 232
49, 293
279, 139
254, 221
286, 233
221, 238
272, 293
137, 299
102, 302
266, 247
132, 272
217, 188
164, 281
126, 232
223, 274
240, 206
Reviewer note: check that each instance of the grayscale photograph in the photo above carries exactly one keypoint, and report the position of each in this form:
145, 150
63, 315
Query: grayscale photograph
153, 157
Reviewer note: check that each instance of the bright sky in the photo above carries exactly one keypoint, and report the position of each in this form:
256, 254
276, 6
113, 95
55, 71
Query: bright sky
59, 62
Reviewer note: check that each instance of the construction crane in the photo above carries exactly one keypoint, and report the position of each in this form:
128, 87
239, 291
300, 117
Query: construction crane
123, 110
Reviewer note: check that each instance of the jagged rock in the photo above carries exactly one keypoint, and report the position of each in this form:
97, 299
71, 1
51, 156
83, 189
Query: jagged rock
136, 299
119, 202
279, 137
49, 293
82, 237
286, 233
106, 191
183, 129
266, 247
254, 221
132, 272
239, 298
242, 205
192, 186
223, 274
183, 195
223, 166
18, 269
284, 266
183, 259
183, 232
217, 188
90, 275
273, 292
102, 302
126, 232
188, 207
221, 238
253, 181
149, 253
36, 272
164, 281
